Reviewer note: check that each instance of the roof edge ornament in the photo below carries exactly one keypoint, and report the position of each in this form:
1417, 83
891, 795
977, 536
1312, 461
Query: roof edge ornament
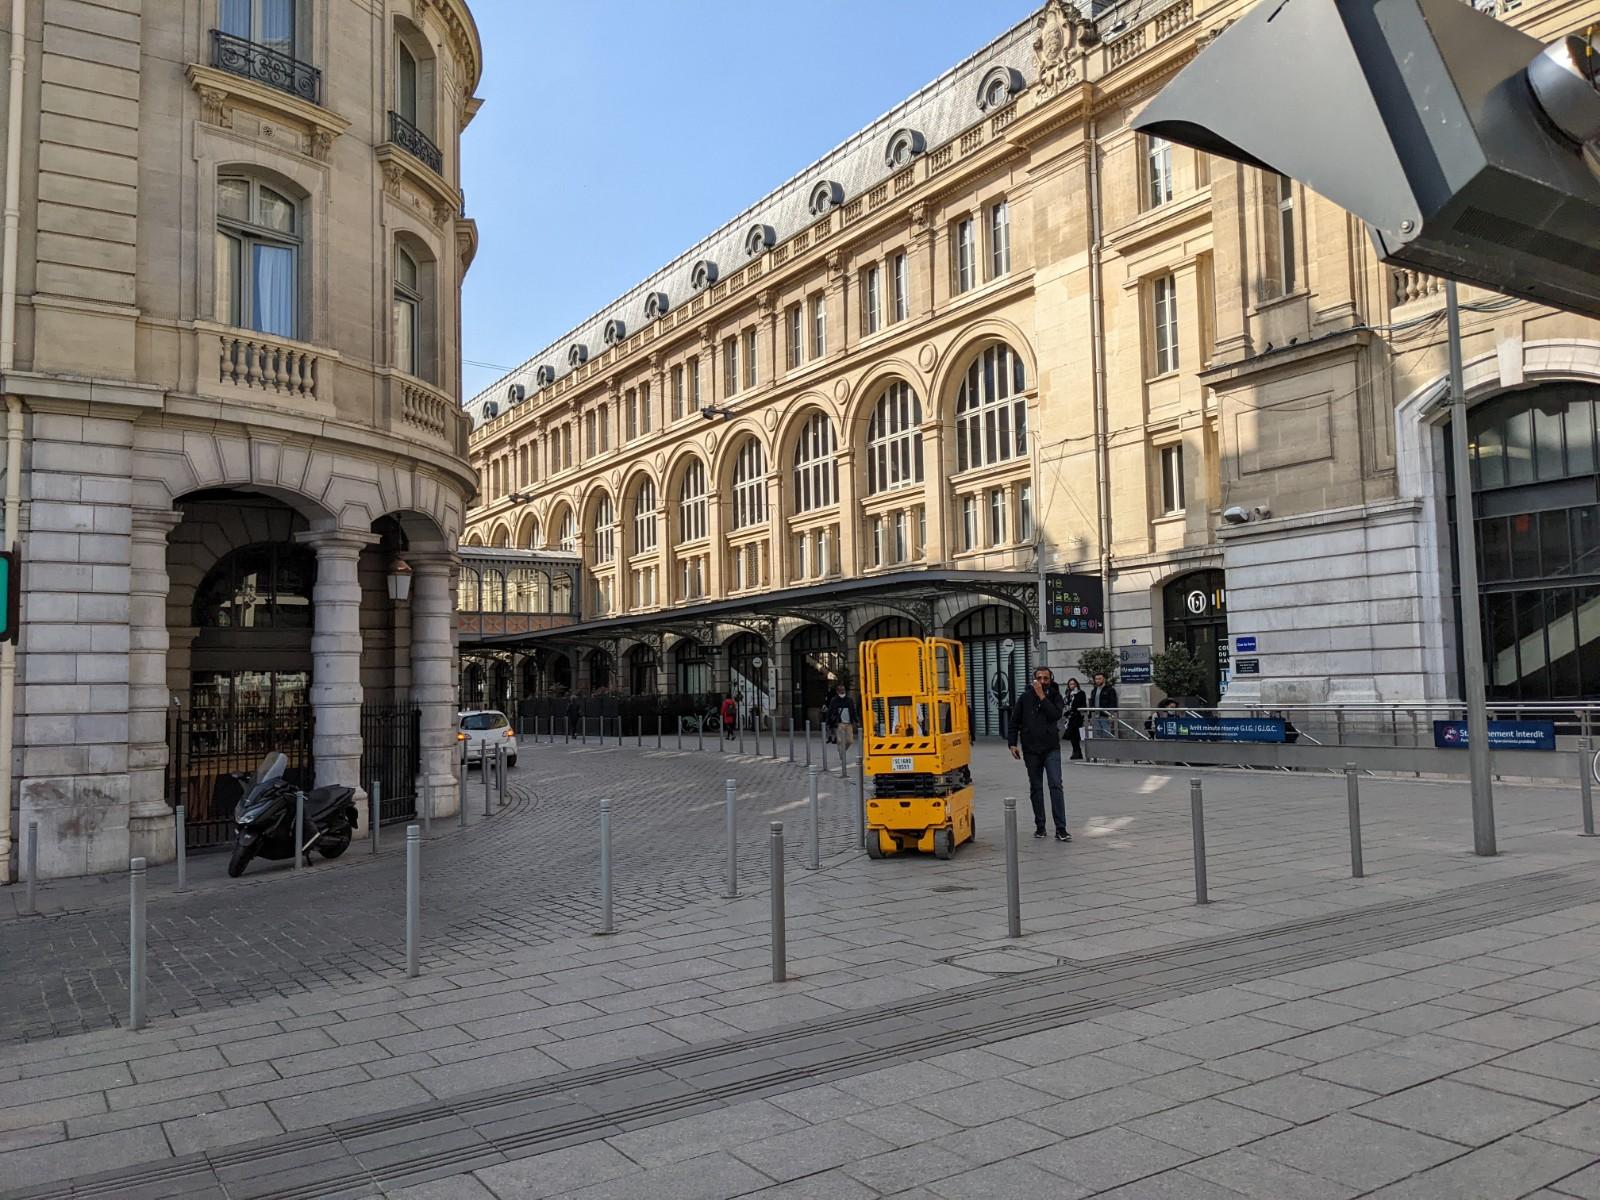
904, 145
656, 306
759, 240
516, 394
577, 355
826, 195
702, 275
998, 87
1058, 30
615, 331
544, 375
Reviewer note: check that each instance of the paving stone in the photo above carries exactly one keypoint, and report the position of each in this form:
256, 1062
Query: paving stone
1100, 1110
901, 1169
1231, 1035
1298, 1099
1509, 1169
1584, 1184
341, 1103
1108, 1158
1378, 1072
825, 1185
1519, 1083
1353, 1150
1326, 1044
1578, 1128
689, 1137
556, 1172
226, 1128
83, 1156
710, 1177
997, 1140
904, 1081
1251, 1175
1311, 1014
903, 1125
1012, 1179
822, 1102
806, 1151
1077, 1076
1170, 1185
1574, 1064
1207, 1126
1458, 1111
1507, 1030
984, 1101
1256, 1065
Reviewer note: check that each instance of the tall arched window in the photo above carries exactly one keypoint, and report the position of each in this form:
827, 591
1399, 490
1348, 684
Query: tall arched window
604, 532
991, 415
692, 503
258, 257
568, 539
894, 439
530, 537
644, 517
750, 485
494, 592
815, 468
407, 313
467, 599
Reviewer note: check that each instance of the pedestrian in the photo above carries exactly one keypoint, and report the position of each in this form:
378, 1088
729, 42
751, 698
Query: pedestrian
1102, 699
1035, 738
1076, 700
840, 719
574, 714
730, 717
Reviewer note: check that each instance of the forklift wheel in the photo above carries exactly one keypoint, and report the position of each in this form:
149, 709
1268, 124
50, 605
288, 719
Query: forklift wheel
943, 843
874, 848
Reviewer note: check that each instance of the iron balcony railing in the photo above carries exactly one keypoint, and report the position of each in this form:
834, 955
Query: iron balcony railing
415, 143
250, 60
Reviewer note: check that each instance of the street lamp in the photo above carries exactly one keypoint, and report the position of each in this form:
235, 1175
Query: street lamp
399, 581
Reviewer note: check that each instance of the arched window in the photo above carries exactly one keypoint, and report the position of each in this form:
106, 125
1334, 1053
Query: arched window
408, 313
750, 485
692, 503
642, 667
568, 539
815, 468
494, 592
644, 517
258, 257
894, 440
561, 592
531, 536
604, 532
991, 414
527, 591
266, 586
467, 599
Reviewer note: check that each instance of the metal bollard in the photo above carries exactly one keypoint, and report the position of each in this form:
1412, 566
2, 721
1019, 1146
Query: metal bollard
791, 739
500, 769
638, 732
700, 733
605, 867
1586, 786
483, 770
136, 944
1013, 874
33, 861
1352, 798
375, 810
181, 833
427, 806
861, 799
678, 726
658, 731
740, 726
779, 950
1197, 825
722, 739
583, 731
413, 899
619, 730
844, 763
299, 830
815, 862
808, 742
733, 843
461, 795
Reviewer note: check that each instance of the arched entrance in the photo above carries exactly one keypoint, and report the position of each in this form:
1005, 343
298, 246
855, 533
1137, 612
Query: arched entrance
642, 670
999, 648
816, 663
890, 627
693, 668
1195, 607
472, 685
750, 669
1536, 507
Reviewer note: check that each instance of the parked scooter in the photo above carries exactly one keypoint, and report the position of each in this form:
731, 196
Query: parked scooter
265, 818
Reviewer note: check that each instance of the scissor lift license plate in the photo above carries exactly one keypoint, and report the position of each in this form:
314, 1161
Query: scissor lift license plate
905, 764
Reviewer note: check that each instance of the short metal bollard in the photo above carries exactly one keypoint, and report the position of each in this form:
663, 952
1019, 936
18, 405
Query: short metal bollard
741, 736
1013, 874
658, 731
779, 950
583, 731
638, 732
501, 766
483, 772
1197, 824
700, 733
375, 810
1586, 786
814, 863
181, 833
605, 867
413, 898
791, 739
427, 806
1352, 799
733, 841
619, 730
33, 861
861, 799
136, 944
299, 830
461, 795
808, 742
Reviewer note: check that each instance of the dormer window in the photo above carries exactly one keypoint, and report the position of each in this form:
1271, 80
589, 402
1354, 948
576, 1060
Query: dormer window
825, 196
904, 145
702, 275
997, 88
655, 306
577, 355
544, 376
759, 240
615, 332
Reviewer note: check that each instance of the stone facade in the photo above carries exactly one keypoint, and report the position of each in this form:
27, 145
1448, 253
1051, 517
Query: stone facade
1194, 336
236, 305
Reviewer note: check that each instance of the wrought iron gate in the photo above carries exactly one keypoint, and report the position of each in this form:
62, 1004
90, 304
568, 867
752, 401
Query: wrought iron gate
391, 756
212, 750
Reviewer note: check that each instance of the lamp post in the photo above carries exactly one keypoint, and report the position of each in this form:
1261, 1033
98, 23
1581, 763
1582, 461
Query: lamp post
400, 581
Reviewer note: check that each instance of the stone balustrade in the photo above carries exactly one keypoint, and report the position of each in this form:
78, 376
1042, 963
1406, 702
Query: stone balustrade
1410, 286
261, 362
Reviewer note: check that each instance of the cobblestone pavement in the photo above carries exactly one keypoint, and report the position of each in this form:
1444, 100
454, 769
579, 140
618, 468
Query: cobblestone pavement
1429, 1030
524, 878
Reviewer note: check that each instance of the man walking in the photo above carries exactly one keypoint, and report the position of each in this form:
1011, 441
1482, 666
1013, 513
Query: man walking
1102, 696
1035, 738
841, 721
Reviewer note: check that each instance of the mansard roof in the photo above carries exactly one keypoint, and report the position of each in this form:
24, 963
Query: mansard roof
941, 110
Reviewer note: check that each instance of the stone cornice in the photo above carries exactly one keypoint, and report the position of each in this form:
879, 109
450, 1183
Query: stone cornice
401, 169
1225, 377
218, 90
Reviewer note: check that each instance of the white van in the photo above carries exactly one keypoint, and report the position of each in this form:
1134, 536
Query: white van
480, 730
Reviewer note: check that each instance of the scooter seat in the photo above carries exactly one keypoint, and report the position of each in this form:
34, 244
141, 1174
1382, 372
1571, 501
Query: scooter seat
320, 800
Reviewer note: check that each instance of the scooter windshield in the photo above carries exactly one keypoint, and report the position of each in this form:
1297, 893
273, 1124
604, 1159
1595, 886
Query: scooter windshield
272, 767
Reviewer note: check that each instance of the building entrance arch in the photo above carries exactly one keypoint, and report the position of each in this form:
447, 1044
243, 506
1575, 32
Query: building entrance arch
1195, 607
816, 662
999, 650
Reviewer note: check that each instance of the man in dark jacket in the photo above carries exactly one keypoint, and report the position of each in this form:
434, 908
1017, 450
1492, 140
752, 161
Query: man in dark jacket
1035, 738
1101, 697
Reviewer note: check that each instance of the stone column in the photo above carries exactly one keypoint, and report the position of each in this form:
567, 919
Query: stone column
433, 656
336, 656
150, 818
849, 514
779, 541
716, 554
935, 493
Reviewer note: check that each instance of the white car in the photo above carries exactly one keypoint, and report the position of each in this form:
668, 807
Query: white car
480, 730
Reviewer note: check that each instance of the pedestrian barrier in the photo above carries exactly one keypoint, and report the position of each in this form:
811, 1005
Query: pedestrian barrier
814, 863
299, 829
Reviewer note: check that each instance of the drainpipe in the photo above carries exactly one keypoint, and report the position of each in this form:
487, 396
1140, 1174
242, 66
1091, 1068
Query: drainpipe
1097, 350
8, 358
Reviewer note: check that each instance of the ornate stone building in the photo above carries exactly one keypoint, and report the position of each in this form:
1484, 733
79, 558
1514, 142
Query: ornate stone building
236, 455
996, 338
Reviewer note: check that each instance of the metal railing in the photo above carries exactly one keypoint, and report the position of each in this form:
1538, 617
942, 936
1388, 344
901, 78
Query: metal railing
251, 60
415, 143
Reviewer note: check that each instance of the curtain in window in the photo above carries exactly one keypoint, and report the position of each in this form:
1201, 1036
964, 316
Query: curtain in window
273, 294
405, 335
277, 25
234, 17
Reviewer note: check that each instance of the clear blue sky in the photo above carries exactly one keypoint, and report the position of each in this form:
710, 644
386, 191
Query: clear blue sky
615, 135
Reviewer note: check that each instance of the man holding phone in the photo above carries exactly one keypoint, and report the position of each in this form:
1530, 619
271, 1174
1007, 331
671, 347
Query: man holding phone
1035, 738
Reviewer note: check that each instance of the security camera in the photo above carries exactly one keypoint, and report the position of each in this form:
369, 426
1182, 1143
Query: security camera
1235, 515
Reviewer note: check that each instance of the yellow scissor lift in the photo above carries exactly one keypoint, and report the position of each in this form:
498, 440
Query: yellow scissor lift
916, 746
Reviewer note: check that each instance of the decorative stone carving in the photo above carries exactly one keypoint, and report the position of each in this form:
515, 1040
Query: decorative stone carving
771, 419
319, 144
214, 109
1057, 30
442, 213
927, 356
841, 390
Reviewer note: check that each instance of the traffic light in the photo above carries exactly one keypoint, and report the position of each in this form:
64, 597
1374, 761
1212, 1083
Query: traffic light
1467, 146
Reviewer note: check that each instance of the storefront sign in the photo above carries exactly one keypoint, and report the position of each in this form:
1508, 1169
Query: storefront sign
1247, 666
1073, 604
1219, 729
1133, 664
1503, 735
